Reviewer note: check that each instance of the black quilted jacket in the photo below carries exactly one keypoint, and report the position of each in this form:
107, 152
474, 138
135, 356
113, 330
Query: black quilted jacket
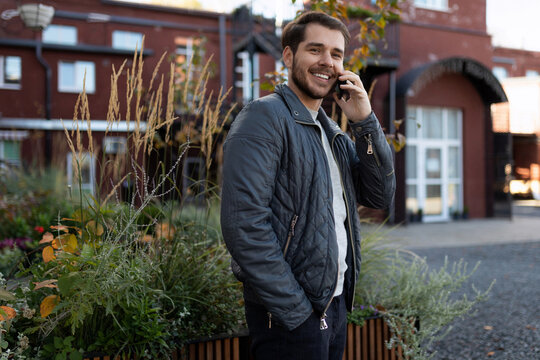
276, 214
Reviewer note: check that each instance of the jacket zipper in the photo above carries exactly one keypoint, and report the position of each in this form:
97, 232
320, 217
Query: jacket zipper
371, 150
289, 238
291, 234
323, 324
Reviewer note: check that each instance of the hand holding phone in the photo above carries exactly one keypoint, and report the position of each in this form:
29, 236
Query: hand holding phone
342, 93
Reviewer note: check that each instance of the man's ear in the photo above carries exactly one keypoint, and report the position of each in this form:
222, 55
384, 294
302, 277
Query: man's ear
288, 57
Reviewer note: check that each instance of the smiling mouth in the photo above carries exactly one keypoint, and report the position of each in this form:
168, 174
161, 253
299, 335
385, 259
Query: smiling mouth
321, 76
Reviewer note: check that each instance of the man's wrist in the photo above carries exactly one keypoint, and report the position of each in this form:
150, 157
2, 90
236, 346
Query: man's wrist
361, 118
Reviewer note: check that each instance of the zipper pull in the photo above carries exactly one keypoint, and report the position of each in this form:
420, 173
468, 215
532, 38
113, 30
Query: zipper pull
369, 144
323, 325
269, 320
293, 224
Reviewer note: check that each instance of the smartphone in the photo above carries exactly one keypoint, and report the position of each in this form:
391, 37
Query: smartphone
341, 93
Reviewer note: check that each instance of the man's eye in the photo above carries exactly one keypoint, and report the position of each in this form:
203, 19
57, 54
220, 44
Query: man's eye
315, 50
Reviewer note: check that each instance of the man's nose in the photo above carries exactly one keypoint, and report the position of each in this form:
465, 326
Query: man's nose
326, 59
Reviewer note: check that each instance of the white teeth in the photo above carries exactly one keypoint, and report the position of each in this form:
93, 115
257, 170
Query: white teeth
322, 76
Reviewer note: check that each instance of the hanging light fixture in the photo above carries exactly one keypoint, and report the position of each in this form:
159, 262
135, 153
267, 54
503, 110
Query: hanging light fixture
36, 16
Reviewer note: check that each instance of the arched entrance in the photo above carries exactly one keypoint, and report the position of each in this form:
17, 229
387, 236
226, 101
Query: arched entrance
448, 166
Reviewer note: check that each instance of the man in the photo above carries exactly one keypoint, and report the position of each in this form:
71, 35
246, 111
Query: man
291, 183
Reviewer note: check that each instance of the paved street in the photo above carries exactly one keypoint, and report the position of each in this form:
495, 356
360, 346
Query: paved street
523, 227
507, 325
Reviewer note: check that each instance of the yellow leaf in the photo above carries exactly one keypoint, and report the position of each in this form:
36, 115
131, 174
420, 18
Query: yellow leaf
71, 245
47, 238
48, 254
48, 304
66, 242
491, 353
488, 328
46, 283
7, 313
95, 228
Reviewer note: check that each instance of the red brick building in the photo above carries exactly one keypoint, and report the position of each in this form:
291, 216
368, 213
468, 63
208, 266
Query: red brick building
42, 72
443, 88
435, 73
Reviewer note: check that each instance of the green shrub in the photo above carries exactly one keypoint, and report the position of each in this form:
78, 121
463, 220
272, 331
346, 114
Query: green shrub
418, 303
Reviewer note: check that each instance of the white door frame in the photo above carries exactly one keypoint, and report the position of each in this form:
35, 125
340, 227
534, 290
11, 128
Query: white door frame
444, 144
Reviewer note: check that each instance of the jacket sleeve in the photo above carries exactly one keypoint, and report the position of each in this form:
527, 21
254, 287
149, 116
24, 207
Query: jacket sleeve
373, 168
252, 154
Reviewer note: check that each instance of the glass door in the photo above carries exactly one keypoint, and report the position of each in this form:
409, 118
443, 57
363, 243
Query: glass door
433, 163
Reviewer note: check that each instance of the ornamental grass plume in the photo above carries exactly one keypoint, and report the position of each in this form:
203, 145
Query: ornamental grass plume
130, 278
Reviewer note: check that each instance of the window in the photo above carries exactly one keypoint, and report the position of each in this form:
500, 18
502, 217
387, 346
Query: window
81, 173
531, 73
10, 152
193, 176
247, 75
184, 54
432, 4
433, 162
60, 34
71, 75
500, 72
126, 40
114, 145
10, 72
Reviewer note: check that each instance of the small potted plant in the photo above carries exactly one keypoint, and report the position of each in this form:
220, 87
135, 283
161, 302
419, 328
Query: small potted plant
465, 213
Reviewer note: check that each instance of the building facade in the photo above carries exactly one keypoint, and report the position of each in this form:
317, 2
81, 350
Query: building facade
43, 72
434, 73
443, 90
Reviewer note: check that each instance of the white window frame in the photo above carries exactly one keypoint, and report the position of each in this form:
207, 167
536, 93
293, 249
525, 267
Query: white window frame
247, 81
60, 34
15, 162
77, 86
3, 84
440, 5
114, 145
185, 50
421, 144
87, 187
127, 40
500, 72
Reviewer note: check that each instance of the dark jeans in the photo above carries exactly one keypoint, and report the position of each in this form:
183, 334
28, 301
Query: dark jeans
307, 341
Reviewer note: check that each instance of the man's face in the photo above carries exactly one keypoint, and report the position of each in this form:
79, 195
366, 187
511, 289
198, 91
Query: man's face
317, 63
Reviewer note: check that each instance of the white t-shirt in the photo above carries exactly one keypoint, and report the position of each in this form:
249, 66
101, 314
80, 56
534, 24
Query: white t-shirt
338, 204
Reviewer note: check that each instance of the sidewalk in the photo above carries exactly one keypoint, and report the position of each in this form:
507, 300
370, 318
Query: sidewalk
464, 232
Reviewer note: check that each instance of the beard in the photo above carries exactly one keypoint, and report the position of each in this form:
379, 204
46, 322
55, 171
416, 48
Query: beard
299, 77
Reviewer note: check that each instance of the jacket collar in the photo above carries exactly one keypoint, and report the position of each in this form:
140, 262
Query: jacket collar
301, 114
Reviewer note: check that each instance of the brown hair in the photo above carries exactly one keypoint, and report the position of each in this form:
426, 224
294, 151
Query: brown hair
294, 32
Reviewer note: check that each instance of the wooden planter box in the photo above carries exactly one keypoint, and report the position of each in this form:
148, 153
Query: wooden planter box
363, 343
369, 341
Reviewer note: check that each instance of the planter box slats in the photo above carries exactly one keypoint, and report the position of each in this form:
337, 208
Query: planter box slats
222, 349
363, 343
368, 342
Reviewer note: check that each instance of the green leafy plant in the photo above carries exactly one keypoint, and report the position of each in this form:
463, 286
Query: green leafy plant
131, 278
418, 303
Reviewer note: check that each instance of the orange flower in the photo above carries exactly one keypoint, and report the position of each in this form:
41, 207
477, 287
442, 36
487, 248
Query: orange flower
7, 313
